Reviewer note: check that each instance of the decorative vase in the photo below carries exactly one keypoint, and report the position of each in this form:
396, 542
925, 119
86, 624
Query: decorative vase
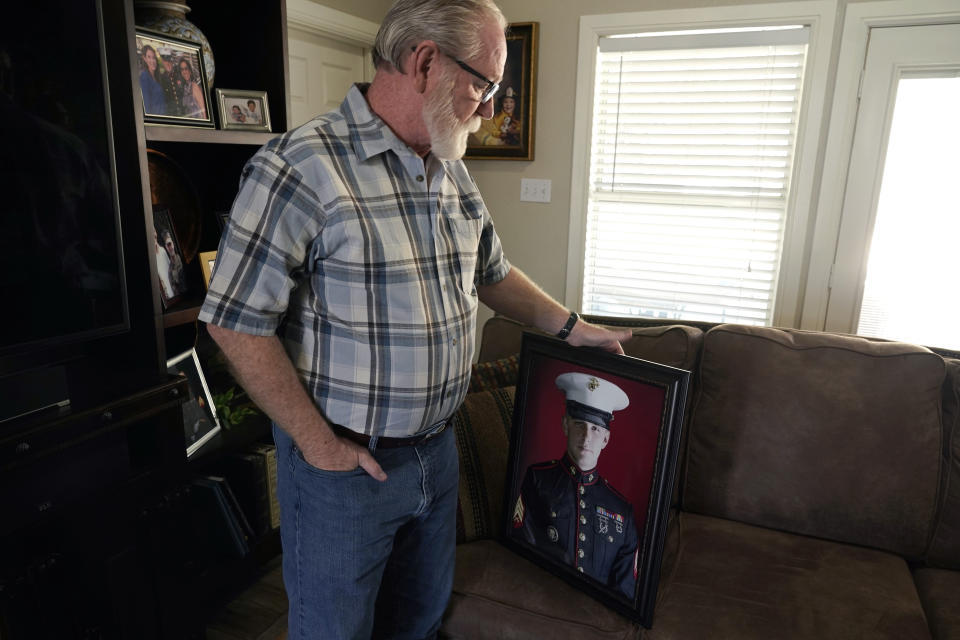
170, 18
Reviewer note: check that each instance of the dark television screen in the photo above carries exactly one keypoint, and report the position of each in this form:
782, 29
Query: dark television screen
61, 276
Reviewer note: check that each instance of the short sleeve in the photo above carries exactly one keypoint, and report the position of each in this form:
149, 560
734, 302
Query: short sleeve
273, 222
492, 265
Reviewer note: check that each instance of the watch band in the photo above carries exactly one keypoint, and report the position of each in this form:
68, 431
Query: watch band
567, 328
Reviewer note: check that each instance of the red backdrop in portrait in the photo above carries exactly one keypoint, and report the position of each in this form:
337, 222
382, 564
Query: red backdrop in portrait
628, 459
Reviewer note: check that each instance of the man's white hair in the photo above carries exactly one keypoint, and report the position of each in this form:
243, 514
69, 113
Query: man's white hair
453, 24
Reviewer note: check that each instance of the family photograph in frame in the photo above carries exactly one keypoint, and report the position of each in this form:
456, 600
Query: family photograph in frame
244, 110
173, 84
509, 134
170, 263
200, 422
593, 457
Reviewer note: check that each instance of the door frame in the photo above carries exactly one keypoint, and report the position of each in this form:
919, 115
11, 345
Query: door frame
330, 23
859, 20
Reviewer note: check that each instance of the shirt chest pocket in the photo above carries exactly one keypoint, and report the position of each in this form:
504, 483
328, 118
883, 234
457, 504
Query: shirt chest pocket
464, 243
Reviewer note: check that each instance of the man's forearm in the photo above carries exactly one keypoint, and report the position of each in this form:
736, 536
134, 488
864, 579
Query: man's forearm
264, 370
518, 297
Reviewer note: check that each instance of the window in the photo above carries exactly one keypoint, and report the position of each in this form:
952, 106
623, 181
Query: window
695, 197
692, 154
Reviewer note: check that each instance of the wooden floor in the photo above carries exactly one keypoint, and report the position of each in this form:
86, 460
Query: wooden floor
259, 613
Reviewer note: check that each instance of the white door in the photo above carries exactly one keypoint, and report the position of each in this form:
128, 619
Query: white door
895, 270
321, 71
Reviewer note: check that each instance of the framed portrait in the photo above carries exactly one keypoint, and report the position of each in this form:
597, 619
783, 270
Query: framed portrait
169, 256
173, 85
509, 134
200, 421
593, 456
247, 110
206, 265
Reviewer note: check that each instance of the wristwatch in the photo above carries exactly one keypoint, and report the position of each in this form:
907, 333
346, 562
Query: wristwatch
567, 328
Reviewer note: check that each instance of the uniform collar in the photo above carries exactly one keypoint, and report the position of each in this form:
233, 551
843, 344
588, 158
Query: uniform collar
589, 476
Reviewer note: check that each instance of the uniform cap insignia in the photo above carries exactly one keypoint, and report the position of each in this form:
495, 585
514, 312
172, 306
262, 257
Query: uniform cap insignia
593, 384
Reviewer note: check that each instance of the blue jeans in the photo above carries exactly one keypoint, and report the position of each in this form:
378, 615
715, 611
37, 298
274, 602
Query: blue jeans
366, 559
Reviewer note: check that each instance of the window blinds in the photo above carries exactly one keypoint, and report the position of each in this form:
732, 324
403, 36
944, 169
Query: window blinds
692, 149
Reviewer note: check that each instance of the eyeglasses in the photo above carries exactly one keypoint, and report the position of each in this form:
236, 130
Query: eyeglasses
492, 86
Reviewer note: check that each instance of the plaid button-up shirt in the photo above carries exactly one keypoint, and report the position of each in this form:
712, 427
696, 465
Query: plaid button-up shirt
364, 260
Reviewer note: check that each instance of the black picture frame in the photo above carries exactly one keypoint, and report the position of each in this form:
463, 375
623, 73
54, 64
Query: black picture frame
173, 87
171, 265
553, 511
498, 138
200, 421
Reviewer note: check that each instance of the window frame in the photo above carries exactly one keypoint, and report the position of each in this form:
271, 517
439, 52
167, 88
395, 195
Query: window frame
820, 17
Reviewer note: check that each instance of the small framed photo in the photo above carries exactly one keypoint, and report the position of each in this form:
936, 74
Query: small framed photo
206, 265
173, 84
169, 257
592, 463
245, 110
509, 134
200, 421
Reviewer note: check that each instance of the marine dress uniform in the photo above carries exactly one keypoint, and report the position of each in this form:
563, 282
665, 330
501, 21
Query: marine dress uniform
574, 515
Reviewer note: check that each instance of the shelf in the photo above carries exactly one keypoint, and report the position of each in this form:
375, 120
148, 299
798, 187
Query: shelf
181, 314
167, 133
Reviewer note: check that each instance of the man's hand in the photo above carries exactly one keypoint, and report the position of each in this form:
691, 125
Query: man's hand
340, 454
262, 367
585, 334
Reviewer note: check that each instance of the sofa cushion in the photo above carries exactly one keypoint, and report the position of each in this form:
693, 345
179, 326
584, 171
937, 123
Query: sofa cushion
826, 435
482, 428
494, 374
673, 345
501, 337
732, 580
499, 594
945, 545
939, 591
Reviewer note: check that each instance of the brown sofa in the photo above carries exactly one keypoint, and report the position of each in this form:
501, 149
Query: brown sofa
818, 495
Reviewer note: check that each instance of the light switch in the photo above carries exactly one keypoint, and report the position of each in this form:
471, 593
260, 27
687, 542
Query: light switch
534, 190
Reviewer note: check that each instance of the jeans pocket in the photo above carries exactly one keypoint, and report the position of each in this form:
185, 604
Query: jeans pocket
325, 473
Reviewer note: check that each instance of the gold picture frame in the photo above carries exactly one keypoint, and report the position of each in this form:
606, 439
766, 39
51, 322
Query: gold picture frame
207, 259
509, 134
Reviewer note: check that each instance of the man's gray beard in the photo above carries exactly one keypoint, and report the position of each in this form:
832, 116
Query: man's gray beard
448, 136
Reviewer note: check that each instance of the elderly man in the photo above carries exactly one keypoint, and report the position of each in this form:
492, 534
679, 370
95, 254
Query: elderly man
566, 508
345, 295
